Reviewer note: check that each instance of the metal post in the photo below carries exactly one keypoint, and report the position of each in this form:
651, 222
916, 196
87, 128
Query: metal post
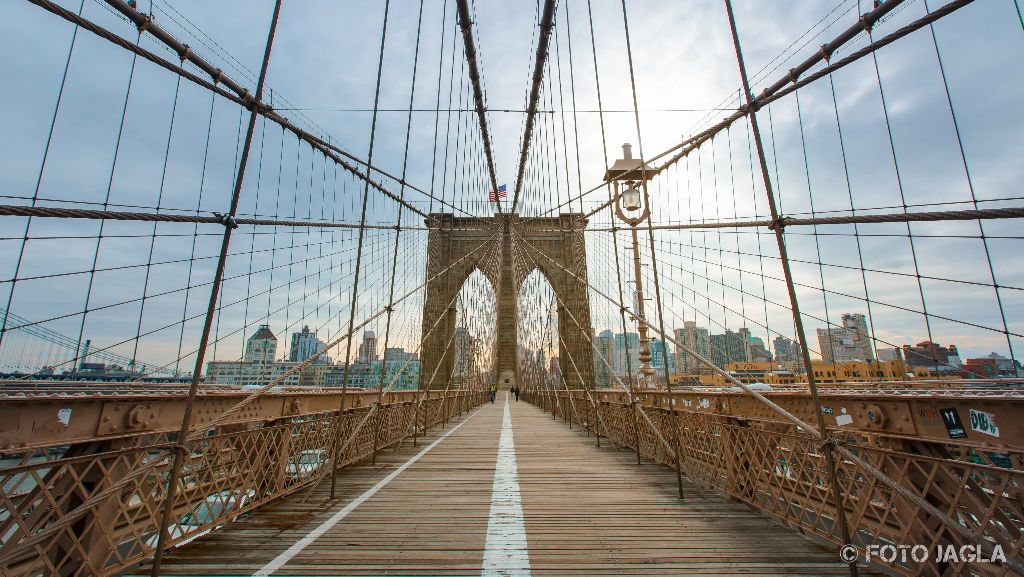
641, 325
229, 225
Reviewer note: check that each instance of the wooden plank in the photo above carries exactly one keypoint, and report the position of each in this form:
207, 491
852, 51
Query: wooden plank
588, 511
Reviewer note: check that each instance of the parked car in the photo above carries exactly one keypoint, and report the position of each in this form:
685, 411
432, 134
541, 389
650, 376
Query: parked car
257, 387
759, 387
203, 513
305, 464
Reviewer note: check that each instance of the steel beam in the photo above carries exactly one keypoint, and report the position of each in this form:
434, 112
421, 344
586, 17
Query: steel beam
466, 25
546, 23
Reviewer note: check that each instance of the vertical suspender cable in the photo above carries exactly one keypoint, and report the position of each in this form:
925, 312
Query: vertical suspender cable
362, 232
647, 199
611, 213
179, 453
817, 239
970, 183
853, 211
106, 202
195, 236
784, 257
398, 219
903, 198
152, 236
39, 178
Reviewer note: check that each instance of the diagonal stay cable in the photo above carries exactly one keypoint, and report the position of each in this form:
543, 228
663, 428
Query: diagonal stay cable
217, 218
787, 85
546, 24
233, 92
947, 520
673, 450
373, 409
466, 25
115, 487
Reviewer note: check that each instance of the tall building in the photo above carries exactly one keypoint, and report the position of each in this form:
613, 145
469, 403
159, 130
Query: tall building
788, 354
858, 325
758, 351
850, 342
305, 344
746, 337
626, 353
729, 347
660, 353
933, 357
368, 348
698, 340
603, 345
261, 346
465, 346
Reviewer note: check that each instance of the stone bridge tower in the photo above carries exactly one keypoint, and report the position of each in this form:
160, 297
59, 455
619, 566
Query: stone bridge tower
506, 249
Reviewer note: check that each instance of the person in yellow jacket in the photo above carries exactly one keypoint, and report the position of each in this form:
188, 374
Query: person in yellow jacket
494, 392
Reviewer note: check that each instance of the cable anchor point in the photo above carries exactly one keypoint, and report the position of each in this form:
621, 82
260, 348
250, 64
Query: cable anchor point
226, 219
778, 223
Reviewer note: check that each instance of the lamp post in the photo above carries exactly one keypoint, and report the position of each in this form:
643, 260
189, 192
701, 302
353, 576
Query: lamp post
629, 176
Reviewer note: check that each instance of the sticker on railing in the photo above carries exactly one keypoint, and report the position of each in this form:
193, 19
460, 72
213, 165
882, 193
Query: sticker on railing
984, 423
843, 418
954, 426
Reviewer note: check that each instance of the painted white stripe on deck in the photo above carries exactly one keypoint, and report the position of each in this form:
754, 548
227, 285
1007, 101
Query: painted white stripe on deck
506, 552
315, 534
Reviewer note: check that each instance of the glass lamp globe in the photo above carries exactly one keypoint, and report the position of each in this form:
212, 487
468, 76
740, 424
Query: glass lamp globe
631, 199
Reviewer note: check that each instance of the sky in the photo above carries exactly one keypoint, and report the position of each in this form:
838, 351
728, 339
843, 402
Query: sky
178, 150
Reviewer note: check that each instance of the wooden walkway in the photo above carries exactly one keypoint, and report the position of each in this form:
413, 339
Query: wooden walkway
587, 511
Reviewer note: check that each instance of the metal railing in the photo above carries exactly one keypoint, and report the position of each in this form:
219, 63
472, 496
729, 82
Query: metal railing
770, 465
51, 522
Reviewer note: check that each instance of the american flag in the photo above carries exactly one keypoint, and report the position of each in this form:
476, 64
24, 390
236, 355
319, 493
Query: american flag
496, 194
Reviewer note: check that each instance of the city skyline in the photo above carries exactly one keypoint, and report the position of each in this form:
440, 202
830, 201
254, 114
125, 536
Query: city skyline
850, 341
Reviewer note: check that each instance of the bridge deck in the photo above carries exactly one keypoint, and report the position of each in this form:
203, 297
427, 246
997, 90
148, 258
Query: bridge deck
586, 511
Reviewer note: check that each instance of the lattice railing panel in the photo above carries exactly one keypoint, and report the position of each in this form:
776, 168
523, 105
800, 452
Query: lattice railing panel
783, 472
96, 508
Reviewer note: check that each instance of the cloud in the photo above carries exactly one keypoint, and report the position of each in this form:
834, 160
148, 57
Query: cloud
325, 63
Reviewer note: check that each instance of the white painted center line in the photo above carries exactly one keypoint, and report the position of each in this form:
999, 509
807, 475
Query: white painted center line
316, 533
506, 552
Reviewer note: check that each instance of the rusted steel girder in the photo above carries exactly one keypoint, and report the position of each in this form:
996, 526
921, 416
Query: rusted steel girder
70, 513
546, 23
31, 421
990, 419
466, 25
938, 493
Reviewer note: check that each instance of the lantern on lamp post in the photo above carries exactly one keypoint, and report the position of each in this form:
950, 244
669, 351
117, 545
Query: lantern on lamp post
629, 178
